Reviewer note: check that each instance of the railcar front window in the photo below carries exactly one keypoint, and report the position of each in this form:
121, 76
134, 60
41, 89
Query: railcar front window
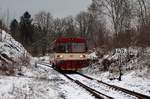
70, 47
78, 47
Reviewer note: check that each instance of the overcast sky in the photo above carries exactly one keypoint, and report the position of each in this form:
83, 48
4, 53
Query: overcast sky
58, 8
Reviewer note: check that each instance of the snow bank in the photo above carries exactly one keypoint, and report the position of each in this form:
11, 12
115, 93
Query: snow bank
135, 67
132, 58
12, 53
92, 55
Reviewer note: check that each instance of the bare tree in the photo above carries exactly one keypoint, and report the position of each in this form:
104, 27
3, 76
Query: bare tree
97, 27
64, 26
118, 13
91, 25
83, 23
58, 26
142, 14
44, 20
43, 30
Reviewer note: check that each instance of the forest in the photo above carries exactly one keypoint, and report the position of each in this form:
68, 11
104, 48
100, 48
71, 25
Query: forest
106, 24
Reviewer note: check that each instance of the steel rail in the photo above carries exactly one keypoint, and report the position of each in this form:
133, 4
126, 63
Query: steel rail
136, 94
94, 92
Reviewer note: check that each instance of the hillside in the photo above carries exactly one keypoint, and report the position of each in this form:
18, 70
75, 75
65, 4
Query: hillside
12, 54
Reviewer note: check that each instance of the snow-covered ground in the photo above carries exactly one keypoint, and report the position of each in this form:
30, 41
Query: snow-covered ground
129, 81
34, 81
101, 87
40, 83
135, 80
135, 76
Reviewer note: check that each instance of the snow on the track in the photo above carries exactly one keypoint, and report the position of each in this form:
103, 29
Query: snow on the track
101, 87
129, 81
133, 83
73, 91
70, 90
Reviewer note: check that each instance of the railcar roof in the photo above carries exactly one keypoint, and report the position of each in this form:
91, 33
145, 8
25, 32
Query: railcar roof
65, 40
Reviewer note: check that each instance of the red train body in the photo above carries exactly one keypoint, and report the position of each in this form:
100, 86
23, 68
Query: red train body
69, 54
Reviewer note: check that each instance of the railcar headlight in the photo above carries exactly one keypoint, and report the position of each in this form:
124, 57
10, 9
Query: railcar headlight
60, 56
82, 56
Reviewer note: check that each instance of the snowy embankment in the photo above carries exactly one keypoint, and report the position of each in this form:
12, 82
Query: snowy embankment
134, 65
12, 54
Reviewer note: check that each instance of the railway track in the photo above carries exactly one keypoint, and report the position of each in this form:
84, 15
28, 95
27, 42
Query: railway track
100, 88
136, 94
98, 84
95, 93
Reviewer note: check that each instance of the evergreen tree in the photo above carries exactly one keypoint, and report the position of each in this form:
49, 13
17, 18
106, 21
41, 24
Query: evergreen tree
3, 25
14, 29
26, 29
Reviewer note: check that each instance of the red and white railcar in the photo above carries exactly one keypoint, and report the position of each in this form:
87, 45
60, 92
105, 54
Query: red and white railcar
69, 53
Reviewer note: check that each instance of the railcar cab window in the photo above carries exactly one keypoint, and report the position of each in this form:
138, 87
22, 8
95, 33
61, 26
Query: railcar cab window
60, 47
70, 47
